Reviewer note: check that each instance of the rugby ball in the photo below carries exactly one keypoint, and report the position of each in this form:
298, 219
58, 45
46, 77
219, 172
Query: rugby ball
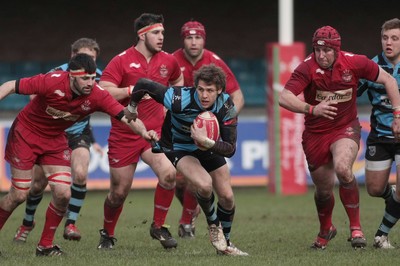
209, 120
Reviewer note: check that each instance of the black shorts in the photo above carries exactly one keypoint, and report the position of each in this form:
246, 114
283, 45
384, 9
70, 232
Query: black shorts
381, 151
209, 160
79, 140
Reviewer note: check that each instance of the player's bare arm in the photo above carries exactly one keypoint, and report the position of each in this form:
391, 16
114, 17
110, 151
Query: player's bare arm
117, 93
291, 102
7, 88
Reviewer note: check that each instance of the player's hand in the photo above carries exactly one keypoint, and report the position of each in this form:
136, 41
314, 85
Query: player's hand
198, 134
326, 109
151, 136
129, 115
396, 129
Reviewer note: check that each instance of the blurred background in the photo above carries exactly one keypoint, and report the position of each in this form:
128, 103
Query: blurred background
35, 36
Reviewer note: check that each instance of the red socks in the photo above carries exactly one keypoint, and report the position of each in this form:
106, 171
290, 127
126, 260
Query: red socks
162, 201
53, 219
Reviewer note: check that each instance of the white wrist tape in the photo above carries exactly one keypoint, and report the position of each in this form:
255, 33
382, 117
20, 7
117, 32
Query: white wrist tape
208, 143
132, 109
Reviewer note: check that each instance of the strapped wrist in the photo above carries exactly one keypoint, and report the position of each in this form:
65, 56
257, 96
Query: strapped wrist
208, 143
130, 89
132, 108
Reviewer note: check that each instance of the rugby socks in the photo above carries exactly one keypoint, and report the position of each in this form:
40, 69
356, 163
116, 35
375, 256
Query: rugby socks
78, 193
53, 219
324, 210
391, 216
387, 193
111, 216
226, 218
189, 207
207, 205
3, 217
32, 202
350, 197
179, 194
162, 201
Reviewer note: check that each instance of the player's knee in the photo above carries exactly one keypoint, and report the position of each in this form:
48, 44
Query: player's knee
116, 198
18, 196
20, 189
38, 186
80, 177
205, 187
375, 191
167, 180
227, 201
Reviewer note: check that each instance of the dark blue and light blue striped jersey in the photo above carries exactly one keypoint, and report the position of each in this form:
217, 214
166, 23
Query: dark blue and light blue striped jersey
184, 104
79, 127
381, 114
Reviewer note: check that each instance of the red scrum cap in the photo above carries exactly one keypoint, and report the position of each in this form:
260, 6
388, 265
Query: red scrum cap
327, 36
193, 28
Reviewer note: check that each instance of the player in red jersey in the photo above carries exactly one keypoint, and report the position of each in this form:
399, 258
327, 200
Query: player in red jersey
37, 136
329, 78
144, 60
190, 58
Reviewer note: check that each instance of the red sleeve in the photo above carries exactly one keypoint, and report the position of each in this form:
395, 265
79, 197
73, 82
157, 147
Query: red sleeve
366, 68
299, 79
107, 103
176, 70
112, 72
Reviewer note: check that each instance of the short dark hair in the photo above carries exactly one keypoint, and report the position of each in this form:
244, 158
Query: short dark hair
85, 43
147, 19
84, 61
211, 74
391, 24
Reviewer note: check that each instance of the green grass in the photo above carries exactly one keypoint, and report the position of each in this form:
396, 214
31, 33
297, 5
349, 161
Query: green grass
274, 230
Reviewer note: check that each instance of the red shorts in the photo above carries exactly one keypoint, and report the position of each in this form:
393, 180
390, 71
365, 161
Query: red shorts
25, 148
121, 153
317, 146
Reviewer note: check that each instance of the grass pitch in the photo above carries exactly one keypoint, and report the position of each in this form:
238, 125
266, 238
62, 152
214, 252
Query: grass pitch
274, 230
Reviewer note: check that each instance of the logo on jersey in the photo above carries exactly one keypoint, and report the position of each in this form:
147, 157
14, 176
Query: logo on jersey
347, 76
349, 131
216, 57
338, 96
134, 65
85, 105
67, 155
372, 150
59, 93
385, 101
318, 70
163, 71
57, 114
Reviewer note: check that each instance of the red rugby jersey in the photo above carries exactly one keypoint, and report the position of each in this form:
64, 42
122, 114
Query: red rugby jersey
126, 69
54, 108
339, 83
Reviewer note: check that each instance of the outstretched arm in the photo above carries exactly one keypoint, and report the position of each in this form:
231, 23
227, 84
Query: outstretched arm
7, 88
392, 91
144, 86
139, 128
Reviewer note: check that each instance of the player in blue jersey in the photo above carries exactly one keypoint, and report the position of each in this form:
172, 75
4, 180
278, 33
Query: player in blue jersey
206, 170
80, 138
382, 148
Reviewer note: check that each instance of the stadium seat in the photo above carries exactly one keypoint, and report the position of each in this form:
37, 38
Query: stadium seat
27, 68
14, 102
251, 75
